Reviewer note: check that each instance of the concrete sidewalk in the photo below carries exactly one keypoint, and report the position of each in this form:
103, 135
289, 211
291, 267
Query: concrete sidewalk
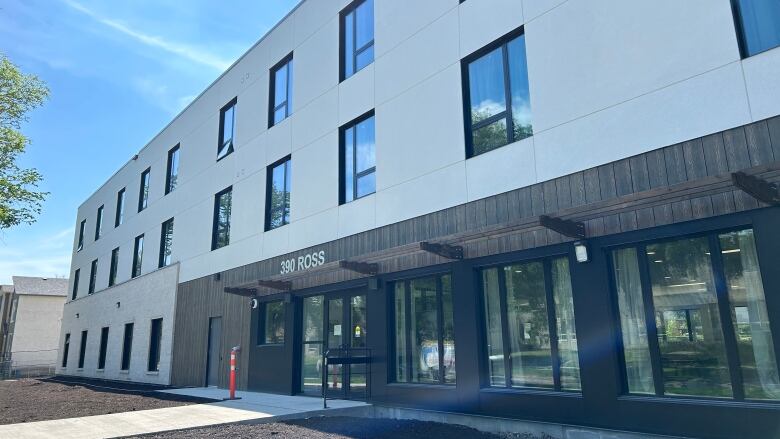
252, 407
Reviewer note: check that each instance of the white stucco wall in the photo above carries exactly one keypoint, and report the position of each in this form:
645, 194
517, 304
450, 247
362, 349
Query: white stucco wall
148, 297
36, 331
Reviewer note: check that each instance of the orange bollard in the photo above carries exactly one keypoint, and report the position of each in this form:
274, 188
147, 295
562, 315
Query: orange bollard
233, 353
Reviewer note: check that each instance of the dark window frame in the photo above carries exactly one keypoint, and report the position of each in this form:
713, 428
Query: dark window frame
138, 259
740, 30
76, 276
166, 252
92, 277
82, 349
469, 126
119, 215
356, 51
262, 339
222, 150
103, 348
214, 226
99, 222
113, 267
127, 347
155, 345
272, 108
82, 228
143, 192
171, 173
269, 208
65, 350
342, 159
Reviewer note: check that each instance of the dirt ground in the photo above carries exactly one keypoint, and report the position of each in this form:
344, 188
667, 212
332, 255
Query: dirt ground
335, 428
28, 400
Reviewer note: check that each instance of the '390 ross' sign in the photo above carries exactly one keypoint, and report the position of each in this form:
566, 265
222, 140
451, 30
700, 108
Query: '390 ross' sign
304, 262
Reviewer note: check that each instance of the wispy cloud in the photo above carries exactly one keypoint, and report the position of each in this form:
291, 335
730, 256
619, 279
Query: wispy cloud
182, 50
48, 255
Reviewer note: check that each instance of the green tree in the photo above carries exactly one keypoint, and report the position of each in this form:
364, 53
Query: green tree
20, 203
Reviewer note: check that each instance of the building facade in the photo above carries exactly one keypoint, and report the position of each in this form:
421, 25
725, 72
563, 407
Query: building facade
560, 211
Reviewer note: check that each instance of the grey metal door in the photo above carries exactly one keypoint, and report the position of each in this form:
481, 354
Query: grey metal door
214, 361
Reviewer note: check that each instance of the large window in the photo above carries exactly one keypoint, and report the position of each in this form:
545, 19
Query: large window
82, 349
143, 191
119, 215
709, 334
92, 276
172, 171
65, 350
76, 275
127, 347
138, 256
424, 333
529, 317
103, 348
497, 99
277, 212
166, 243
280, 102
227, 121
758, 23
99, 223
155, 343
358, 159
112, 269
272, 323
357, 37
82, 227
223, 203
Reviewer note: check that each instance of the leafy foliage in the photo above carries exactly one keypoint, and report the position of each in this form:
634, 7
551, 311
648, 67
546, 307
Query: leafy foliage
20, 203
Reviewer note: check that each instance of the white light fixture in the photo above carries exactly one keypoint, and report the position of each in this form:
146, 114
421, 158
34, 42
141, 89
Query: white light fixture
581, 251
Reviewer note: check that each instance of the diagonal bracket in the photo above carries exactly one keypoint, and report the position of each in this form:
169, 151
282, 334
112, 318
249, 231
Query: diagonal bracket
443, 250
572, 229
360, 267
757, 188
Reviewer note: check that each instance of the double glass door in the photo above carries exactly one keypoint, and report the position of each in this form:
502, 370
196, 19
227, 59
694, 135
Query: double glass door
335, 321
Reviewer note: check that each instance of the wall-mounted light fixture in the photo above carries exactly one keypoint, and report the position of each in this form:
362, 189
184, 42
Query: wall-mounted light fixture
581, 251
77, 315
118, 304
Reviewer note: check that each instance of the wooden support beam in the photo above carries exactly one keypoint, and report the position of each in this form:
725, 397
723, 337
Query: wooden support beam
569, 228
276, 284
443, 250
360, 267
247, 292
757, 188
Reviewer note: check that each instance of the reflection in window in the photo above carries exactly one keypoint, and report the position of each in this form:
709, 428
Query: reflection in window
138, 255
311, 373
143, 191
112, 269
223, 204
519, 307
93, 277
227, 120
99, 223
273, 323
759, 23
498, 97
278, 194
172, 172
281, 91
82, 227
119, 215
359, 159
424, 331
357, 24
166, 244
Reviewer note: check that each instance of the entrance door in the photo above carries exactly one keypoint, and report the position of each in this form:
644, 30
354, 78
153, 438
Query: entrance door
214, 360
333, 322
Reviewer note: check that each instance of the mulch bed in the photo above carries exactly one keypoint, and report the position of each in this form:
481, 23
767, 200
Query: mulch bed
29, 400
336, 428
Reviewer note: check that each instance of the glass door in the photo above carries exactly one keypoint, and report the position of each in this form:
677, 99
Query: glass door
311, 355
336, 319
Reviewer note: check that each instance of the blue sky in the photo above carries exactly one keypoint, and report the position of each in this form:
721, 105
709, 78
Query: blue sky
119, 71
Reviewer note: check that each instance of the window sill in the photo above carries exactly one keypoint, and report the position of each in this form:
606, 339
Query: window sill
528, 391
153, 372
100, 371
226, 155
426, 385
700, 401
124, 372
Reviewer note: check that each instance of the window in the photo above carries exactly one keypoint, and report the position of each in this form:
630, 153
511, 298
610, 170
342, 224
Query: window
76, 276
82, 349
166, 243
529, 323
127, 347
221, 231
710, 334
143, 195
277, 212
424, 334
155, 340
138, 256
113, 267
82, 226
496, 96
357, 37
119, 216
358, 159
280, 102
65, 350
99, 223
272, 323
92, 277
103, 348
758, 25
172, 171
227, 120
